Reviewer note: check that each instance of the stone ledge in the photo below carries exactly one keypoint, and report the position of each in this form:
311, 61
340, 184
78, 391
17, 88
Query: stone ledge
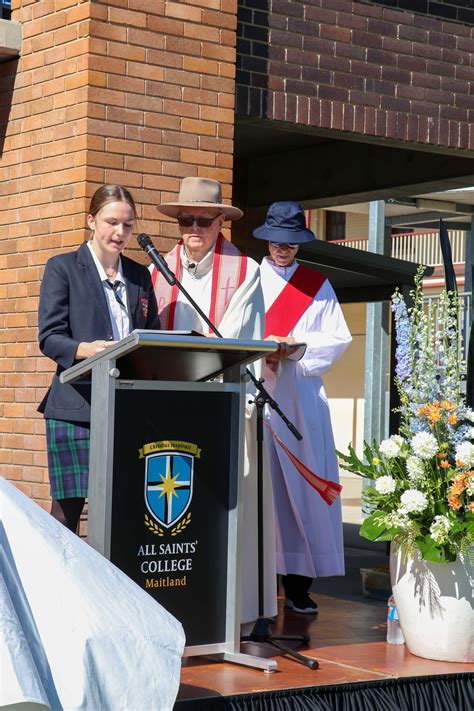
10, 39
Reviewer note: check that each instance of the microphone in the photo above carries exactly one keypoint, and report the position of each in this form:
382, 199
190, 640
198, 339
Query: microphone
147, 245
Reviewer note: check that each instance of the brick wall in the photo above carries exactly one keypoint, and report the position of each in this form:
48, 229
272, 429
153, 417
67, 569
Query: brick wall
43, 184
360, 68
139, 92
457, 10
162, 107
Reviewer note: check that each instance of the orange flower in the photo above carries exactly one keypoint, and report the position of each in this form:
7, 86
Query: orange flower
431, 411
454, 502
459, 484
461, 481
434, 403
445, 464
448, 405
452, 419
471, 506
442, 455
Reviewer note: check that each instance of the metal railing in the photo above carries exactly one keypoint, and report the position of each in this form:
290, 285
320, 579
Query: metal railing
464, 323
422, 247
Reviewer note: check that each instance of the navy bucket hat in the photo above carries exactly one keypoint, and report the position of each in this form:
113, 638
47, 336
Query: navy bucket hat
286, 223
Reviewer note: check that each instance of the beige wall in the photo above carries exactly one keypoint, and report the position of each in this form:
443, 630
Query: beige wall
345, 390
345, 383
357, 225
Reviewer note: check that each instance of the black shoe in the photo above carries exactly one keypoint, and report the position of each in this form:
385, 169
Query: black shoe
303, 604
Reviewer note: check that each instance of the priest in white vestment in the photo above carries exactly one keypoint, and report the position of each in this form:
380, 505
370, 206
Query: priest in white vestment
226, 286
301, 307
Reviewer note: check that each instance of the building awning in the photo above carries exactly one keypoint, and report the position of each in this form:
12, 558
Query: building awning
356, 275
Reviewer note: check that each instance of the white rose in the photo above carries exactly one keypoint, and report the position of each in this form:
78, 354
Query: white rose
390, 447
439, 529
469, 415
415, 468
385, 485
399, 518
465, 453
470, 486
413, 501
424, 445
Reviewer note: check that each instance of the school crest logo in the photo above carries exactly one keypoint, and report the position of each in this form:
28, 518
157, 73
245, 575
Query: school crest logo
168, 484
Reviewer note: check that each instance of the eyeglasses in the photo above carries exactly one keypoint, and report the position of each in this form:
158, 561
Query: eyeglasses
290, 245
189, 220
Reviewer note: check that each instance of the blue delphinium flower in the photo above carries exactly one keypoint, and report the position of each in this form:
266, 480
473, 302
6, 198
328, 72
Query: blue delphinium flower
402, 354
459, 435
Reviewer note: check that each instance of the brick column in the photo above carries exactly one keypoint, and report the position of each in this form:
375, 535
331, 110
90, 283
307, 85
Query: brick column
136, 92
164, 103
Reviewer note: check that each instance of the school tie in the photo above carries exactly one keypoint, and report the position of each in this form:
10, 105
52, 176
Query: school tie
115, 285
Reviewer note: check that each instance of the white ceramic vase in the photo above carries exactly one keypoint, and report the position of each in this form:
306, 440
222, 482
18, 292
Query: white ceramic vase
435, 606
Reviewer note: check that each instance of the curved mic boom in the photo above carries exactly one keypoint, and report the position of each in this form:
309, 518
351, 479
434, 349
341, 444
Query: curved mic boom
147, 245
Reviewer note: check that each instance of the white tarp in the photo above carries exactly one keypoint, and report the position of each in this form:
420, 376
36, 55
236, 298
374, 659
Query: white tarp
76, 632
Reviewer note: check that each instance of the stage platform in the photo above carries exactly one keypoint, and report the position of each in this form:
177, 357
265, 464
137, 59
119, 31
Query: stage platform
358, 669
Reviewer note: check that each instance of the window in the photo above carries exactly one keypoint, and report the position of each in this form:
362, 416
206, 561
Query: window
335, 225
5, 9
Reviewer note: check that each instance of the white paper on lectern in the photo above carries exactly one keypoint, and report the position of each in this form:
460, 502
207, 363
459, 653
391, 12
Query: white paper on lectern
80, 634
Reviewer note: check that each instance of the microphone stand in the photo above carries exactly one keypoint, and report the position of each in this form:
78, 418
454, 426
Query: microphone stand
261, 631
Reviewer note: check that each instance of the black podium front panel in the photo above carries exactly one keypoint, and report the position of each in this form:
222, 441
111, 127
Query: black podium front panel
174, 483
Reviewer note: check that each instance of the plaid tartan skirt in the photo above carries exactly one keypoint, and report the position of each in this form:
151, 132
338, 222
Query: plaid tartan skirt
68, 458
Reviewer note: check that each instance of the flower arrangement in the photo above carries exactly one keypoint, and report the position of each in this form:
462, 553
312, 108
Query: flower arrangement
423, 477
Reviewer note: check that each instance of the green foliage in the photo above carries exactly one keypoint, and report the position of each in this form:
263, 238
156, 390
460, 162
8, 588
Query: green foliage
432, 551
353, 464
374, 528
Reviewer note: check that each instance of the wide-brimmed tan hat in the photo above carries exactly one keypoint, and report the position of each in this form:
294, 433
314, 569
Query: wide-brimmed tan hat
200, 192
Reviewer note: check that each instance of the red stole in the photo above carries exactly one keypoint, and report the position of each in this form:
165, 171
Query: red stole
229, 270
328, 490
292, 301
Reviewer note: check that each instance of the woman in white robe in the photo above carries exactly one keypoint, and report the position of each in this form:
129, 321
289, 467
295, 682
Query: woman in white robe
308, 530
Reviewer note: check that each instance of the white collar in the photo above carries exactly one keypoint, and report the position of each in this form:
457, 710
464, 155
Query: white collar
103, 276
284, 272
201, 268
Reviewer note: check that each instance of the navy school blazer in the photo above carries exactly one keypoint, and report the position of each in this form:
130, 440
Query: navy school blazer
72, 309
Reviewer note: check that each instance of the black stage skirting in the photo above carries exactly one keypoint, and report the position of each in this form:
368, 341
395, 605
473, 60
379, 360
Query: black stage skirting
447, 692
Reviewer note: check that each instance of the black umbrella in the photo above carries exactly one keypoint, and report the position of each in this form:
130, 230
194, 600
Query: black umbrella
450, 279
449, 275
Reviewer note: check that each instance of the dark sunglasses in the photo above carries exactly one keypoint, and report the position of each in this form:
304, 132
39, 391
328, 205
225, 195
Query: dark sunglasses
189, 220
291, 245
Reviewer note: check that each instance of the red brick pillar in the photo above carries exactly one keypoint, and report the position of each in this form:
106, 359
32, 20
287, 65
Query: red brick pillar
137, 92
